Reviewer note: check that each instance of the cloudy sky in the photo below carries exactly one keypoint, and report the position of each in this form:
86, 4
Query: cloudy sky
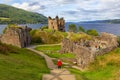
71, 10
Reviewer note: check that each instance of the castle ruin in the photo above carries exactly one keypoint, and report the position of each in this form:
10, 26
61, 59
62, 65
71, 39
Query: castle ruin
16, 36
87, 50
56, 23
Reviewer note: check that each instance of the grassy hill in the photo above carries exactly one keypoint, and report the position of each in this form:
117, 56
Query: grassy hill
104, 21
20, 64
114, 21
9, 14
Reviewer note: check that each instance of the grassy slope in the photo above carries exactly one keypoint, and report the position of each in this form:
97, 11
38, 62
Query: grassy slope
23, 65
20, 16
106, 67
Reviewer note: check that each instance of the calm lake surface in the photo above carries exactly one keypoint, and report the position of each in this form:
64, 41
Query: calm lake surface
100, 27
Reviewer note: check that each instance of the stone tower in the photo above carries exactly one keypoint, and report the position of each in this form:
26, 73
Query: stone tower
17, 36
56, 23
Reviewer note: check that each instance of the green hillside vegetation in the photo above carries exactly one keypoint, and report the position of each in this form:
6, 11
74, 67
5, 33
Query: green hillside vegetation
114, 21
9, 14
20, 64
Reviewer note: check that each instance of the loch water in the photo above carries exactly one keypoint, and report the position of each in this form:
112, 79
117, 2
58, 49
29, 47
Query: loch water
100, 27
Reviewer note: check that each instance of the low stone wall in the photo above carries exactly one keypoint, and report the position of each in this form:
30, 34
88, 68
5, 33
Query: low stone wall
86, 53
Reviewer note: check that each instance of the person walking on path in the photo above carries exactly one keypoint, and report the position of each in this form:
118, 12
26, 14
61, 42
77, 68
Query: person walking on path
59, 64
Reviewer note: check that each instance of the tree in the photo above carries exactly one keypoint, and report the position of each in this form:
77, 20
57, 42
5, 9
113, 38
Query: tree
92, 32
72, 28
119, 41
81, 29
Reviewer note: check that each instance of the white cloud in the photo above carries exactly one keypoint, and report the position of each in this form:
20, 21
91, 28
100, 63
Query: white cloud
74, 10
28, 6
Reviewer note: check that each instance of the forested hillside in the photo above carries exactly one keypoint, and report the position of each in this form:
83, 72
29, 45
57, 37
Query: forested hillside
9, 14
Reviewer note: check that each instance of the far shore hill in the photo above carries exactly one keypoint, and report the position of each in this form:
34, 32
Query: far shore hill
9, 14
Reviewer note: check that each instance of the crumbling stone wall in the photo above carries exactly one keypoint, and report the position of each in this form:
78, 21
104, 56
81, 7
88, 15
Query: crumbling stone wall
87, 51
111, 39
83, 55
17, 36
56, 23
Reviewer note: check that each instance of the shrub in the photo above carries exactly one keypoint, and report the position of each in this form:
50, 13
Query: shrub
72, 28
92, 32
119, 40
35, 34
47, 36
81, 29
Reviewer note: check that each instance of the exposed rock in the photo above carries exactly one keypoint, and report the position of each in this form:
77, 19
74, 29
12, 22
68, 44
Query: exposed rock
17, 36
87, 50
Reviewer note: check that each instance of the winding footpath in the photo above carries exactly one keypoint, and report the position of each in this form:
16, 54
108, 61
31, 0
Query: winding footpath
56, 74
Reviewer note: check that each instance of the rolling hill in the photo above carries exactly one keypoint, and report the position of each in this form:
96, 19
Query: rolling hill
104, 21
9, 14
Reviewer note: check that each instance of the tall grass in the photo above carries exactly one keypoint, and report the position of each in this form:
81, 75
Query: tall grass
24, 65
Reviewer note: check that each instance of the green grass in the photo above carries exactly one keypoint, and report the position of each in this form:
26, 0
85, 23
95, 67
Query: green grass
45, 48
53, 51
59, 56
100, 74
23, 65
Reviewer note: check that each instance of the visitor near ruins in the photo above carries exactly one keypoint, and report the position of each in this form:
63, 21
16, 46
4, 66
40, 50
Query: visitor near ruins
59, 64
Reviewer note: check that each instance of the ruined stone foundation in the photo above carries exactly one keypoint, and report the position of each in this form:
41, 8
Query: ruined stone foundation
86, 51
16, 36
